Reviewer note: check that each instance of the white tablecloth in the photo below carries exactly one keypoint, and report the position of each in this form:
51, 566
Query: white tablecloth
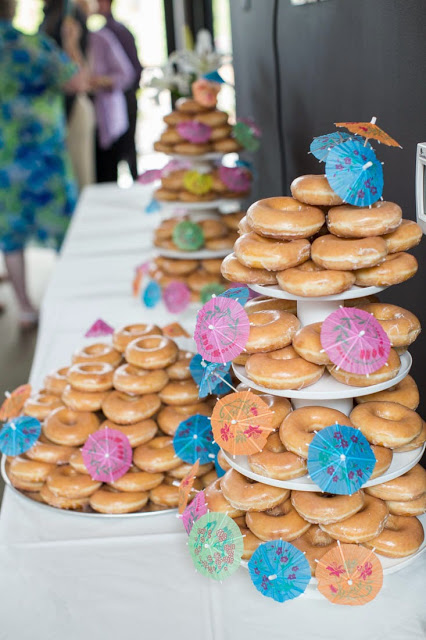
67, 577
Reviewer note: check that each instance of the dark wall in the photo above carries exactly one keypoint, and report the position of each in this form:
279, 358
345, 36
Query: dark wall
340, 60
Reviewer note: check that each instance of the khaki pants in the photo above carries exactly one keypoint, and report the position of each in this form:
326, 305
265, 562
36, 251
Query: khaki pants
81, 140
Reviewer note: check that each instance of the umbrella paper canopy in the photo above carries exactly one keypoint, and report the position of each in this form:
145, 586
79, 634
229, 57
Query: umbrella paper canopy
369, 130
340, 460
349, 574
197, 183
98, 329
247, 134
13, 405
185, 486
216, 545
222, 330
354, 173
194, 511
211, 291
107, 455
152, 294
216, 380
193, 131
18, 435
193, 440
237, 179
241, 294
322, 145
355, 341
241, 423
188, 236
279, 571
176, 296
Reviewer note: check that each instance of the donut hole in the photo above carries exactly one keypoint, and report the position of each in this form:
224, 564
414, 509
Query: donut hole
96, 350
96, 367
150, 343
261, 318
68, 418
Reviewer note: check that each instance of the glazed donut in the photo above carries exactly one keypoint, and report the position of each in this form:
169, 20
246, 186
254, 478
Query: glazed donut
187, 196
212, 118
199, 279
271, 330
123, 408
314, 544
169, 418
90, 376
282, 369
151, 352
188, 105
405, 392
213, 228
26, 474
45, 451
56, 381
408, 507
310, 280
227, 145
135, 380
346, 254
406, 236
98, 352
232, 220
208, 478
122, 337
401, 326
136, 480
396, 268
314, 190
164, 231
180, 472
171, 136
77, 463
222, 461
107, 500
297, 429
417, 442
358, 302
165, 495
307, 343
179, 392
69, 428
263, 253
176, 117
220, 132
216, 244
217, 502
251, 542
387, 372
388, 424
191, 149
174, 268
162, 147
244, 226
322, 508
410, 486
274, 461
284, 218
279, 407
383, 457
156, 456
347, 221
212, 265
83, 400
250, 496
365, 525
66, 482
400, 537
281, 523
179, 370
137, 433
74, 504
262, 303
235, 271
173, 180
41, 405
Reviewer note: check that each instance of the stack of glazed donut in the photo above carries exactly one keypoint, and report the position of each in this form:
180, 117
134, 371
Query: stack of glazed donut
198, 275
314, 245
173, 189
219, 232
314, 522
141, 386
187, 110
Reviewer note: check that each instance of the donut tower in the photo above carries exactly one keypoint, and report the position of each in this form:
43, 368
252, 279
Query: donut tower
306, 256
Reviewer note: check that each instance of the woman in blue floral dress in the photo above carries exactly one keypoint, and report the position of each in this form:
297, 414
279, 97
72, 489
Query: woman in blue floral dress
37, 190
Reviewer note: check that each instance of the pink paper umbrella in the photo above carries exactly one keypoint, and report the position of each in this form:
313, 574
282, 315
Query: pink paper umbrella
193, 131
107, 455
222, 330
235, 178
354, 341
176, 297
194, 511
99, 328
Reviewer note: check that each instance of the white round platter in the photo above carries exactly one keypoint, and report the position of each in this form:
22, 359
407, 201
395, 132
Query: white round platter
168, 205
274, 291
401, 463
84, 514
327, 388
206, 157
202, 254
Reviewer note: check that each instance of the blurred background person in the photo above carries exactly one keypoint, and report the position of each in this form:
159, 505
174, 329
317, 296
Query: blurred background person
37, 189
126, 145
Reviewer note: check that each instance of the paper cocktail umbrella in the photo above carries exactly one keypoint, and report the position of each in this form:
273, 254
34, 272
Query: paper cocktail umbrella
322, 145
222, 330
107, 455
193, 512
355, 341
354, 173
247, 134
340, 460
279, 571
176, 296
210, 291
349, 574
193, 440
14, 402
241, 423
99, 328
193, 131
369, 130
236, 179
241, 294
18, 435
188, 236
197, 183
216, 545
152, 294
185, 486
149, 176
216, 379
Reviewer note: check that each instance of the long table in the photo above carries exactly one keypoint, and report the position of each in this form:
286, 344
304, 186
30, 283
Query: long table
68, 577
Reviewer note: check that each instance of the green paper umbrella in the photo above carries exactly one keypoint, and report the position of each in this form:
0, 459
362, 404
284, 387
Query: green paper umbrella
188, 236
210, 290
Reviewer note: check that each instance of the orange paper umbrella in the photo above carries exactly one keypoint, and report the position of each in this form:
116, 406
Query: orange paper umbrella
12, 406
369, 130
349, 574
186, 485
241, 423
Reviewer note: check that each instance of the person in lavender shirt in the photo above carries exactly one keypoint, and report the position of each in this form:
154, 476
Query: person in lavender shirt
126, 146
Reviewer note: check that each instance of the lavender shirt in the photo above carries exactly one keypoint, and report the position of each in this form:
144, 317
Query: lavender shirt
127, 41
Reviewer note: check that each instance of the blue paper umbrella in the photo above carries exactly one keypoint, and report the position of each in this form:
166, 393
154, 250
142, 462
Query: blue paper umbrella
279, 571
322, 145
19, 435
340, 460
214, 76
153, 206
152, 294
354, 173
215, 380
240, 294
193, 440
196, 367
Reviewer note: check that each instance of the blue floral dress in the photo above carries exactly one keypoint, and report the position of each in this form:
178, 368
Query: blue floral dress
37, 190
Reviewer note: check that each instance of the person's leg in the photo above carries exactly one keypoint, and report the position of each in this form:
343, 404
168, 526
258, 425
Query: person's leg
106, 163
15, 265
127, 144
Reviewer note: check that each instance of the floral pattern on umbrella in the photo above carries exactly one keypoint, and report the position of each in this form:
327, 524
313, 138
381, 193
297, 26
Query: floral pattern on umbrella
193, 512
349, 574
369, 130
215, 379
107, 455
340, 459
239, 293
216, 545
241, 423
19, 434
185, 486
193, 440
322, 145
14, 402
